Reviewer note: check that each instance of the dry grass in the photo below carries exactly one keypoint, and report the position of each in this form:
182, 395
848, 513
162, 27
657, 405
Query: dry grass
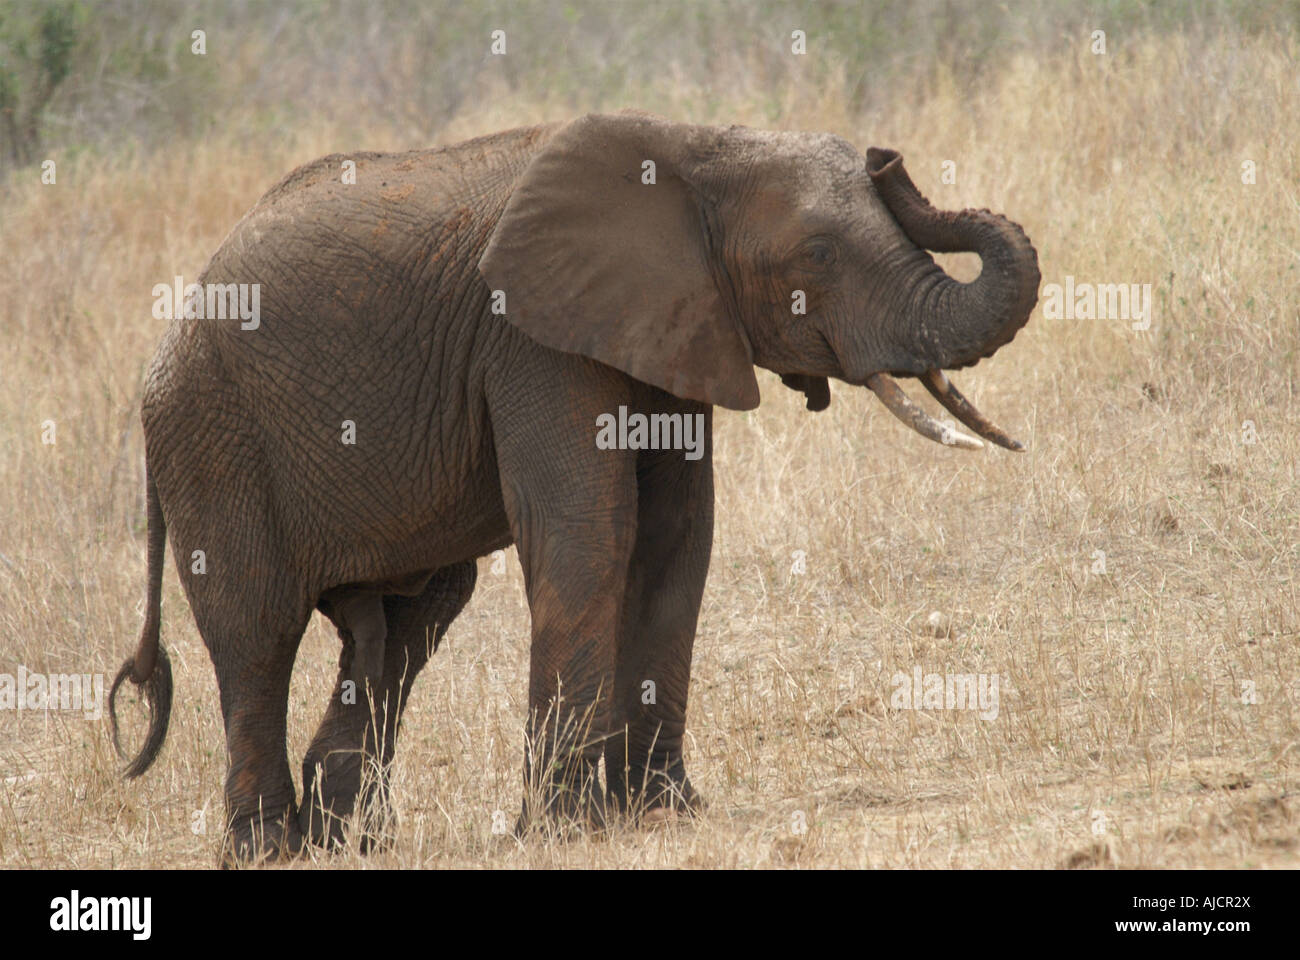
1121, 693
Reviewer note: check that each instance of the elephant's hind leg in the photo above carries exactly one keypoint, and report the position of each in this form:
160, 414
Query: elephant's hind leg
253, 653
356, 737
359, 614
249, 606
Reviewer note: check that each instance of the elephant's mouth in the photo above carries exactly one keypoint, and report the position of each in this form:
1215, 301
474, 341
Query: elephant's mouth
942, 389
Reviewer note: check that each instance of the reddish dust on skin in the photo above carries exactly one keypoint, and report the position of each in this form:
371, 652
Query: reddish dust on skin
450, 231
396, 194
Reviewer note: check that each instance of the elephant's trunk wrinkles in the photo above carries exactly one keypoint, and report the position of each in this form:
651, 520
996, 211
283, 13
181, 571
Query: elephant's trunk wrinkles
956, 324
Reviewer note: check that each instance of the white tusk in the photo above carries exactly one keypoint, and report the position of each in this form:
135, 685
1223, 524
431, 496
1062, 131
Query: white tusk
942, 389
901, 406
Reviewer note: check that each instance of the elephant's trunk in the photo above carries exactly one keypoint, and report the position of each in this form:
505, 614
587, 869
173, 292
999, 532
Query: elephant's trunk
948, 324
957, 324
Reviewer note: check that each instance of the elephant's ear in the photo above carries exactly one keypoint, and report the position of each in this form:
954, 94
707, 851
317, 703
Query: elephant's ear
594, 260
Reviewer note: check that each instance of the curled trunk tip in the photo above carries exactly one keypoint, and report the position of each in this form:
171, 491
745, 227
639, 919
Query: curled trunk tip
971, 320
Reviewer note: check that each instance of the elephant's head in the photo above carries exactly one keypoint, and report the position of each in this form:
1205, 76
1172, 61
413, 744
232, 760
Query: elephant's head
681, 255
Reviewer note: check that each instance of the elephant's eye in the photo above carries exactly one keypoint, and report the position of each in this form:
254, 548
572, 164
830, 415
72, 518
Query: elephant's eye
817, 253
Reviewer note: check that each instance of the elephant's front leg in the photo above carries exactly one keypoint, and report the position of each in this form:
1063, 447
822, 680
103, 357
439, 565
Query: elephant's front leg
643, 762
574, 519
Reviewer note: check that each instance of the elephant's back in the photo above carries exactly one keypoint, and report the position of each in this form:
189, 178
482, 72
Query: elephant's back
347, 231
411, 181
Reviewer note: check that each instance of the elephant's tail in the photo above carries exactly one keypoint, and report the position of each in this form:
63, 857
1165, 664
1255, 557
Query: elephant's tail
149, 668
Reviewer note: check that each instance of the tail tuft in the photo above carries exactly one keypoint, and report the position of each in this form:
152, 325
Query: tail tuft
157, 689
149, 668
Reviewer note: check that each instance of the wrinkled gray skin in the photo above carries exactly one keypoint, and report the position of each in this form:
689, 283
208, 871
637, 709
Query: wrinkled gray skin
475, 430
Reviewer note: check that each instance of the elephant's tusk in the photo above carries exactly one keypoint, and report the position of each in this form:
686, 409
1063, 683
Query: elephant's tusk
893, 397
941, 389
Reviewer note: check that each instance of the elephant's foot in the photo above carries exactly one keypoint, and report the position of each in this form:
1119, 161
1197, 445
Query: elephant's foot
330, 790
261, 838
572, 803
656, 796
680, 801
328, 798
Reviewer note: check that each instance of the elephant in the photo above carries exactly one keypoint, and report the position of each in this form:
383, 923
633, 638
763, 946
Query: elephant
471, 313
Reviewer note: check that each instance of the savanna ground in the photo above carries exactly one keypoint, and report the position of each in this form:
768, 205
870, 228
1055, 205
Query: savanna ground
1131, 579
